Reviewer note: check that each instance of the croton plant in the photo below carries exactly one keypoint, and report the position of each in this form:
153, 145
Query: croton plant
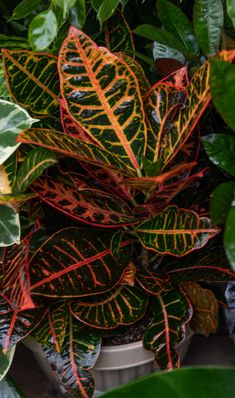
127, 249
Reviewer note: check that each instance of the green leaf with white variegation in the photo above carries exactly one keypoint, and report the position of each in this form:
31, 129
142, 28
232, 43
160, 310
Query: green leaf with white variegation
38, 73
221, 201
9, 226
66, 5
122, 305
163, 51
6, 361
113, 106
171, 312
78, 14
90, 267
13, 120
175, 231
42, 30
208, 20
177, 23
37, 160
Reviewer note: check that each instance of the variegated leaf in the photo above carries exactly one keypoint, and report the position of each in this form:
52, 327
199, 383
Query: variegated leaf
15, 200
73, 197
171, 312
77, 262
118, 35
33, 80
70, 127
205, 308
153, 282
102, 95
74, 147
175, 231
37, 160
121, 306
78, 354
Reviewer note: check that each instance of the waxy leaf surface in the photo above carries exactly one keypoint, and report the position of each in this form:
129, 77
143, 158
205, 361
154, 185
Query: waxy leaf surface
42, 30
9, 226
220, 149
102, 94
77, 262
175, 231
118, 35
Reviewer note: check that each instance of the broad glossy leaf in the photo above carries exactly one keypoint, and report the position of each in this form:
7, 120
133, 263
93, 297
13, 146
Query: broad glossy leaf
52, 328
78, 14
121, 306
184, 383
205, 308
229, 237
104, 99
208, 20
77, 262
106, 10
144, 84
42, 30
153, 282
25, 8
15, 325
36, 162
33, 80
176, 22
13, 119
65, 5
73, 197
161, 51
6, 361
74, 147
171, 312
118, 35
70, 127
9, 226
175, 231
220, 149
221, 200
79, 353
160, 36
222, 80
231, 10
15, 284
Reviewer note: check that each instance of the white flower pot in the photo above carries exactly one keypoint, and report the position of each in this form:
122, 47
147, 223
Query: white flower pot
116, 365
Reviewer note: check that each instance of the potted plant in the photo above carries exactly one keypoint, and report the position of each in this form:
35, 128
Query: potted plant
122, 161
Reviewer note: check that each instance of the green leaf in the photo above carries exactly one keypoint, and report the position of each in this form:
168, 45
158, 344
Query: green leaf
171, 311
9, 226
78, 14
221, 200
106, 10
231, 10
25, 8
176, 22
11, 41
175, 231
184, 383
37, 160
222, 81
229, 234
208, 20
13, 120
42, 30
159, 35
220, 149
6, 361
66, 5
39, 89
96, 4
163, 51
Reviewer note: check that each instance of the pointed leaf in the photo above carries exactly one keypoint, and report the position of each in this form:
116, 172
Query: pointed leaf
221, 200
171, 312
13, 120
6, 361
106, 10
75, 198
77, 262
175, 231
74, 147
205, 308
208, 21
118, 35
32, 80
220, 149
121, 306
16, 200
176, 22
9, 226
79, 352
105, 98
24, 8
36, 162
